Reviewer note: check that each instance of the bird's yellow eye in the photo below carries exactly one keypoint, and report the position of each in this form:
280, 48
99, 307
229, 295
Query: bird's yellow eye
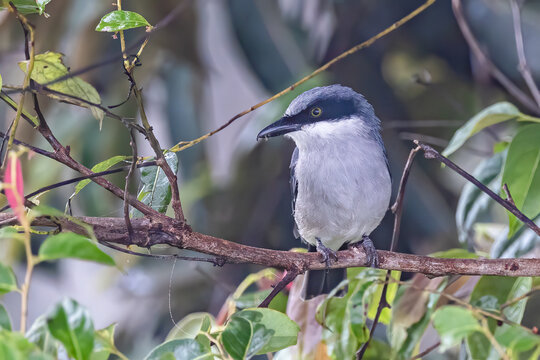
316, 112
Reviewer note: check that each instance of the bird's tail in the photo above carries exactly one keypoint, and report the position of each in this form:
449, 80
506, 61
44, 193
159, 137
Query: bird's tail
318, 282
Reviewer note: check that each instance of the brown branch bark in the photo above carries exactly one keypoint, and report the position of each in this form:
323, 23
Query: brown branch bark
175, 233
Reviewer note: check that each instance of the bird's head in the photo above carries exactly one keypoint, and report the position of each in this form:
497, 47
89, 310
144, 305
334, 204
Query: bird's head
324, 112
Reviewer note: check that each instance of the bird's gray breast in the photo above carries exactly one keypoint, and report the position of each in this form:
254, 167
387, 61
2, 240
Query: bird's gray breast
343, 191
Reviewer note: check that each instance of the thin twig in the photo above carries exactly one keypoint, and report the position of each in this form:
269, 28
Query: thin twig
478, 310
35, 149
427, 351
487, 63
519, 298
12, 104
397, 209
149, 132
430, 153
523, 66
186, 144
216, 262
131, 171
81, 178
160, 158
509, 197
287, 279
28, 30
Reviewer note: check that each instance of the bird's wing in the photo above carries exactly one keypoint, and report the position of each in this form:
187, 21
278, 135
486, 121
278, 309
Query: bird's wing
386, 161
294, 185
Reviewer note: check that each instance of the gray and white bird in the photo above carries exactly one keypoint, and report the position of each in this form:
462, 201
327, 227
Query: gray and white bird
340, 180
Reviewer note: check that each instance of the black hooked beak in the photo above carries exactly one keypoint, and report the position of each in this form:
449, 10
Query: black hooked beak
282, 126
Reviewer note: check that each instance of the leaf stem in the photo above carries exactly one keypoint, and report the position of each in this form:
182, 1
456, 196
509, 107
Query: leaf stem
25, 287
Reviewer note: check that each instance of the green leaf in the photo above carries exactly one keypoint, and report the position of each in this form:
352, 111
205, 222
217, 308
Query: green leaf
454, 254
494, 114
40, 335
242, 338
500, 146
517, 338
474, 203
522, 173
49, 67
104, 344
253, 299
391, 291
357, 314
337, 333
72, 325
514, 312
10, 232
190, 326
521, 286
187, 349
71, 245
41, 5
102, 166
285, 331
156, 190
489, 294
8, 282
14, 346
5, 321
236, 337
411, 313
27, 6
453, 323
519, 244
121, 20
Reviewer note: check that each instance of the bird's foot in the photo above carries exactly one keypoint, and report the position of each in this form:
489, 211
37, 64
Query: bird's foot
327, 254
372, 258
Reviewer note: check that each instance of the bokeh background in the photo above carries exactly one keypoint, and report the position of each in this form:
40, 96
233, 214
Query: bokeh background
218, 58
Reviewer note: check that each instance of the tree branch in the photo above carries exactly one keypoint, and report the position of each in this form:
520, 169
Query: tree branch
175, 233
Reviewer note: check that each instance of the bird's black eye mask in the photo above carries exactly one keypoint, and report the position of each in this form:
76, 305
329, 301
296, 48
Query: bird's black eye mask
325, 110
321, 110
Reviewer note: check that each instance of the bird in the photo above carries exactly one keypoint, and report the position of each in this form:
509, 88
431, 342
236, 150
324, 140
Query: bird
339, 176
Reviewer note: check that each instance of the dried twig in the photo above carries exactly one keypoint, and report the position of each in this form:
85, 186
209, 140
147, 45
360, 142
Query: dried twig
186, 144
523, 66
487, 63
427, 351
287, 279
81, 178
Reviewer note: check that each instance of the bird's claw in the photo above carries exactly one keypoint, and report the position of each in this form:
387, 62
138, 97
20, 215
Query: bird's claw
327, 254
372, 258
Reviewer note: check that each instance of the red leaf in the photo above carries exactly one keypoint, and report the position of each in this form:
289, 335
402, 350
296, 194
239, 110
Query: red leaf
14, 189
